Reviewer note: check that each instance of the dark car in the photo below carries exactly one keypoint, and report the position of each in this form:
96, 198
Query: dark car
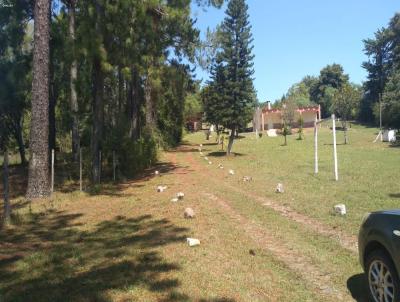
379, 250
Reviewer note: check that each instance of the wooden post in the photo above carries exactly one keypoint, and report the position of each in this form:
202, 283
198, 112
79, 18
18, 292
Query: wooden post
334, 147
114, 164
7, 208
380, 117
100, 166
316, 145
52, 170
80, 169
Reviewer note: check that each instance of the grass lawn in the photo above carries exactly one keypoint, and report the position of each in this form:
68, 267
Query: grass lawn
368, 172
126, 242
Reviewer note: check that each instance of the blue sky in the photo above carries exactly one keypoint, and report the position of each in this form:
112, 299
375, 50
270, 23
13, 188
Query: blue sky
294, 38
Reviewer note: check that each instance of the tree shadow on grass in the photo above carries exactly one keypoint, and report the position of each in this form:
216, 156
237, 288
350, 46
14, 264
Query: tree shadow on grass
358, 287
223, 153
394, 195
50, 258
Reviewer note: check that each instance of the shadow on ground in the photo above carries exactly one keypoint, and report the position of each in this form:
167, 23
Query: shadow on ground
357, 285
51, 257
223, 153
66, 181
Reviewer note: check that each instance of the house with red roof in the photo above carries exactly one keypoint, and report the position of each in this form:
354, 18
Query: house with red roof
272, 118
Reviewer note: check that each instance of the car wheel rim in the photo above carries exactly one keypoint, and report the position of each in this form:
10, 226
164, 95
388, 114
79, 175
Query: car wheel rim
380, 282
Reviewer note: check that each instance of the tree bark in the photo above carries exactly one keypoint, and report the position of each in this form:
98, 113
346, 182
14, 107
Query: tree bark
345, 133
38, 180
150, 108
134, 105
52, 111
20, 141
98, 117
73, 78
7, 208
230, 144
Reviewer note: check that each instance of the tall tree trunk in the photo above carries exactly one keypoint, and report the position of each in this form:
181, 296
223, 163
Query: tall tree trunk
7, 208
52, 112
73, 78
231, 139
38, 181
345, 132
150, 110
134, 100
53, 96
98, 118
20, 141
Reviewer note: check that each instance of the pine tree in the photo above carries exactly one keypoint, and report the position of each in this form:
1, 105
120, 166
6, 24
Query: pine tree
38, 183
238, 101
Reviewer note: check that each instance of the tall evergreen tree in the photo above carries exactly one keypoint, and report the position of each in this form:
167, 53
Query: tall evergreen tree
38, 182
236, 56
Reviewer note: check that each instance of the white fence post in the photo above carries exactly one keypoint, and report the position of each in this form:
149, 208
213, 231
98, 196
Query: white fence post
316, 146
334, 147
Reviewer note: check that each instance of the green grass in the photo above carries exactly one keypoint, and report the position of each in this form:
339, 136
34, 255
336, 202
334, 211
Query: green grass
127, 243
368, 173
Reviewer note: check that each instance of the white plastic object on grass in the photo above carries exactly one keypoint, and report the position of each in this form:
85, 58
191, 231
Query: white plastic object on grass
279, 188
193, 241
340, 209
161, 189
174, 199
157, 172
189, 213
247, 178
210, 162
231, 172
206, 158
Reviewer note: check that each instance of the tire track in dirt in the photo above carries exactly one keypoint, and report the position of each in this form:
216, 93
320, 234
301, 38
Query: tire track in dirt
348, 242
318, 279
293, 259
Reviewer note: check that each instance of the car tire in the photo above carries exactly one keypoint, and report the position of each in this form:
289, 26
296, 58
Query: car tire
382, 277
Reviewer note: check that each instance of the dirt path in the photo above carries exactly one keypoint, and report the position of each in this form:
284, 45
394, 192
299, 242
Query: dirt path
348, 242
293, 259
318, 279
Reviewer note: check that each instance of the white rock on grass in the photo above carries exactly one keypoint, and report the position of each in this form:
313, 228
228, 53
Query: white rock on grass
210, 162
193, 241
161, 189
220, 166
180, 195
201, 145
189, 213
156, 173
206, 158
247, 178
174, 199
340, 209
231, 172
279, 188
201, 153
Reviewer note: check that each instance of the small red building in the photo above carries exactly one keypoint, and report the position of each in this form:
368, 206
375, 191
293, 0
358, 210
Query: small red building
272, 118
